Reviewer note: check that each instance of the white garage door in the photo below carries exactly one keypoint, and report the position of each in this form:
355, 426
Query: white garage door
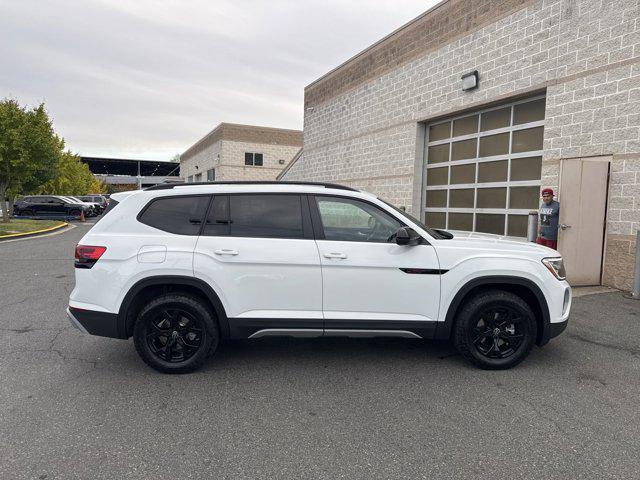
483, 169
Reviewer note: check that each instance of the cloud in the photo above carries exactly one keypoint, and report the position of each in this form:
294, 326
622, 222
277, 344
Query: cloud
148, 78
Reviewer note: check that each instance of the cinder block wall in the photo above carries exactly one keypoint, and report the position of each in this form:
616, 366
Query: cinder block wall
204, 159
232, 166
361, 120
224, 147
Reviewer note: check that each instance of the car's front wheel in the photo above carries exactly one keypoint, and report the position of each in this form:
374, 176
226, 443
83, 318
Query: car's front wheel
175, 333
495, 330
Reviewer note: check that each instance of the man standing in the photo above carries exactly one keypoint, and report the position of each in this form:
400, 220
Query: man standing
548, 224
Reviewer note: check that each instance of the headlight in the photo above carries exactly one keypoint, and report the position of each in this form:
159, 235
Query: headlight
555, 266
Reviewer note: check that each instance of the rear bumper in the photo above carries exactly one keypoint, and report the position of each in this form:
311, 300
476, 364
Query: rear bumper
102, 324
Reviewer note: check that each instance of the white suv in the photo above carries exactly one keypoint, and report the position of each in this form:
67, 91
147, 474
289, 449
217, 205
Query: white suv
182, 267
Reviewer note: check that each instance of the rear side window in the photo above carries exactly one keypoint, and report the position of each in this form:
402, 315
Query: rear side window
265, 216
181, 215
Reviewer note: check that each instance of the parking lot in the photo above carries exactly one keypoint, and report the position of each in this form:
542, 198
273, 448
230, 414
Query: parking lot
75, 406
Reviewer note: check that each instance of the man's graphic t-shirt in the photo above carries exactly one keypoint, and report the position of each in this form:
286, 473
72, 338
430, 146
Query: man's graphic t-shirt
549, 220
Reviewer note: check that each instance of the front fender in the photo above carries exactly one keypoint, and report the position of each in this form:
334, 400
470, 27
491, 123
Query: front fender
481, 271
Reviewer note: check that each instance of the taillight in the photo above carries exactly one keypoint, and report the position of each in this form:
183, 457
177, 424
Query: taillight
88, 255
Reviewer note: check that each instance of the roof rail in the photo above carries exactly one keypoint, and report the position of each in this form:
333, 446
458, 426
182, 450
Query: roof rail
168, 186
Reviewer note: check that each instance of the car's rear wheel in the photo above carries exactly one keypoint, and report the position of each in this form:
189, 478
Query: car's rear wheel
495, 330
74, 213
175, 333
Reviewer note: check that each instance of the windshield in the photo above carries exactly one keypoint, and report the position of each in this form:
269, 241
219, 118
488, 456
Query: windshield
430, 231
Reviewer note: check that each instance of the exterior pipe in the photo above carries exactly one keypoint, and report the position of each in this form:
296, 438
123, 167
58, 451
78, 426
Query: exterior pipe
532, 226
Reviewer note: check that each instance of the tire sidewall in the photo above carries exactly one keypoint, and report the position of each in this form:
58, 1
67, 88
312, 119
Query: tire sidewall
468, 320
194, 307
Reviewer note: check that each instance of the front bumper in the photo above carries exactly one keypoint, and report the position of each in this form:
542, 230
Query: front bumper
102, 324
556, 329
559, 305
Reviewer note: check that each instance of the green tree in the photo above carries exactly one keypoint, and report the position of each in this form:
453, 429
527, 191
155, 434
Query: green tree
29, 149
73, 178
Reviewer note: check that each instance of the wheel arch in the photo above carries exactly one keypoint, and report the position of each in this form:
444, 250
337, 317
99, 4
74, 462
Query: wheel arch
522, 287
143, 289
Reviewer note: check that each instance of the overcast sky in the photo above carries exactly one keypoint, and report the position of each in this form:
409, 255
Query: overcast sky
147, 78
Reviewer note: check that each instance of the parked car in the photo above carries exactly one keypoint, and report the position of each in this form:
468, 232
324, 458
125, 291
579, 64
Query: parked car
99, 199
94, 208
189, 265
43, 205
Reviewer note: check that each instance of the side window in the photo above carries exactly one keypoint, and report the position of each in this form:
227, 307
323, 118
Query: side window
218, 220
264, 216
181, 215
351, 220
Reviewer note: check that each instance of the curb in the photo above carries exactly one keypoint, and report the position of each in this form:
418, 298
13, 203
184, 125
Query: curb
33, 233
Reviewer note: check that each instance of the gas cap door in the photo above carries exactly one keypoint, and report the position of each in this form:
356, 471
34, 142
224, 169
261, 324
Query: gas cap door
152, 254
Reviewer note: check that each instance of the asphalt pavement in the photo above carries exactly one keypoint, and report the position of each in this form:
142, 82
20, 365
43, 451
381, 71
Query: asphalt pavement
76, 406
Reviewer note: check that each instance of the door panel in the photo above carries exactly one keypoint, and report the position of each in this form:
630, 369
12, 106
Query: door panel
262, 277
364, 285
256, 275
583, 198
367, 283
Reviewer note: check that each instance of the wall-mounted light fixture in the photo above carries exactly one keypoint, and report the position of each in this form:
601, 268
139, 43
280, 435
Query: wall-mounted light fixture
469, 81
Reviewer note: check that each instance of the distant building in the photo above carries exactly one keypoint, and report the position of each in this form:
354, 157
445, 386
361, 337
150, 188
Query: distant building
240, 152
127, 174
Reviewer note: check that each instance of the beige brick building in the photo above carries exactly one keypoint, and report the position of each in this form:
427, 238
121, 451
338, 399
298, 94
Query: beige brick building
557, 104
240, 152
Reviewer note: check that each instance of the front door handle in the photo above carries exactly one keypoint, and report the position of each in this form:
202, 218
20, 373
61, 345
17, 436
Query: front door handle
564, 226
225, 251
341, 256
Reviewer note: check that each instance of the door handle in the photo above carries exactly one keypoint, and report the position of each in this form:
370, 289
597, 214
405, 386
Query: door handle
564, 226
225, 251
341, 256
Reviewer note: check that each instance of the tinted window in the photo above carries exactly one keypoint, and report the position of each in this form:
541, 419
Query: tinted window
181, 215
355, 221
267, 216
218, 219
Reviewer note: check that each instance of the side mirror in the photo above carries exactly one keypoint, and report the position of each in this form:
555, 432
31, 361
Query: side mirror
407, 236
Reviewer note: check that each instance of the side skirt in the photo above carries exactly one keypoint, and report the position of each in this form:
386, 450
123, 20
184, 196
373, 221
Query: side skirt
242, 328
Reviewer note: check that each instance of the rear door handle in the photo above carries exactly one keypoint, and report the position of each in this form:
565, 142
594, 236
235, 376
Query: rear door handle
341, 256
225, 251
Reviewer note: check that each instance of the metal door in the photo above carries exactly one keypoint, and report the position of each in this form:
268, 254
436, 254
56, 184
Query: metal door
583, 200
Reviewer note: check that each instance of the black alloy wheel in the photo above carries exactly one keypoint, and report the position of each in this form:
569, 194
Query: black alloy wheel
495, 329
175, 333
498, 332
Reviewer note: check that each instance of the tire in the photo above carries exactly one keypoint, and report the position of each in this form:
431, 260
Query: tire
495, 330
175, 333
74, 213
